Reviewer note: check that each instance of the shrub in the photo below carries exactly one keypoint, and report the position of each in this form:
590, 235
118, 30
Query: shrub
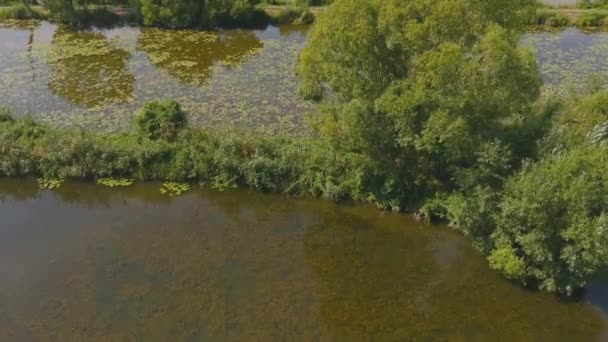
19, 11
550, 18
588, 4
591, 19
294, 15
160, 120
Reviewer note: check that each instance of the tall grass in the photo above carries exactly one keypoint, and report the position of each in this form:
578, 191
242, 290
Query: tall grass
223, 158
594, 18
19, 11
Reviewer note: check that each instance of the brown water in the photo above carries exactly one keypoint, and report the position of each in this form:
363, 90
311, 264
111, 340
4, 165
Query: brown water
87, 263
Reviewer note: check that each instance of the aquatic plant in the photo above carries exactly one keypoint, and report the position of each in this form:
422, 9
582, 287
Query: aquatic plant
588, 4
49, 183
114, 182
86, 68
294, 15
174, 189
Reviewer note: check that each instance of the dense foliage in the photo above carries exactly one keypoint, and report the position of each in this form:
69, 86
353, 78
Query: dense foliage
198, 13
438, 96
171, 13
300, 166
421, 87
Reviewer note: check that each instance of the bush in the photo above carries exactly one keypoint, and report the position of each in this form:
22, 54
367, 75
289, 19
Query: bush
299, 166
193, 13
549, 17
591, 19
294, 15
160, 120
588, 4
553, 221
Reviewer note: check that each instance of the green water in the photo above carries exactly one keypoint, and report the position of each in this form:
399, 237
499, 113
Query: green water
87, 263
97, 78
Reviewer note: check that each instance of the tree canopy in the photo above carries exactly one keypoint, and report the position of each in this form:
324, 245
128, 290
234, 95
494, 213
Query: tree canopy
422, 85
445, 108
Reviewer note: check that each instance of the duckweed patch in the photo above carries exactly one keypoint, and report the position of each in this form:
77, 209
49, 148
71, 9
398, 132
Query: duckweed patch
49, 183
174, 189
115, 182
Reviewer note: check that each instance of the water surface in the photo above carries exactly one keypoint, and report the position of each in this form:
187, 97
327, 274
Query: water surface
97, 78
86, 263
568, 58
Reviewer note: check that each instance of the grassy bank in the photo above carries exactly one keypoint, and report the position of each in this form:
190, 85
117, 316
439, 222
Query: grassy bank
20, 12
594, 18
224, 158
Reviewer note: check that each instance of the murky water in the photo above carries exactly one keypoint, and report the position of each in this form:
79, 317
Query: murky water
86, 263
98, 78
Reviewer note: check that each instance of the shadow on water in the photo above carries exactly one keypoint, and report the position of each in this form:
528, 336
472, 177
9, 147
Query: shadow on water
90, 263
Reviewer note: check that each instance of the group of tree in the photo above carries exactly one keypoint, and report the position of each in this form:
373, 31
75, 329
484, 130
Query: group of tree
445, 108
198, 13
163, 13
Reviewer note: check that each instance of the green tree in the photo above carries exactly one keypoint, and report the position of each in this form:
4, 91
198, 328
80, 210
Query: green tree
552, 226
197, 13
419, 86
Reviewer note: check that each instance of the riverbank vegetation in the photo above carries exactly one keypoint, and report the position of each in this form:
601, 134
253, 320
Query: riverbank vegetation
21, 12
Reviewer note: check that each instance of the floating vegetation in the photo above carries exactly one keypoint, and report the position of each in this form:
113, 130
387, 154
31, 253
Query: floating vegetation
173, 188
190, 55
49, 183
114, 182
85, 68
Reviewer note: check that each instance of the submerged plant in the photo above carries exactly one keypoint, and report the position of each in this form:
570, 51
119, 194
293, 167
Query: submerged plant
174, 188
49, 183
114, 182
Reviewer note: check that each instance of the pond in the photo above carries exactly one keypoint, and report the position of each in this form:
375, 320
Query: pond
87, 263
98, 78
